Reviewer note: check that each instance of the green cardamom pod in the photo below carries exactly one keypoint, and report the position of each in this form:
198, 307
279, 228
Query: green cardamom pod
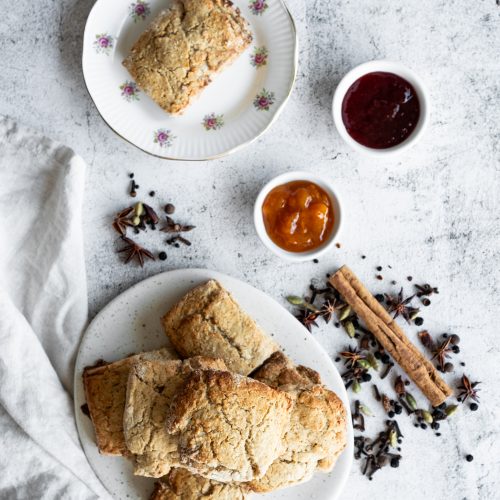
345, 312
349, 328
365, 410
372, 360
411, 401
450, 410
427, 417
393, 438
364, 364
356, 387
139, 209
414, 314
136, 220
294, 300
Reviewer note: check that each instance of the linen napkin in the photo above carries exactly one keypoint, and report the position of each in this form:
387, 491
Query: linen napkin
43, 310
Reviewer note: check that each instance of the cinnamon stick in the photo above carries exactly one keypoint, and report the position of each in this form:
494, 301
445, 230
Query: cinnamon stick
391, 336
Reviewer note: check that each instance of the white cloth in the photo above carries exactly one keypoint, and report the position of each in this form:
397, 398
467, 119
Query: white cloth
43, 310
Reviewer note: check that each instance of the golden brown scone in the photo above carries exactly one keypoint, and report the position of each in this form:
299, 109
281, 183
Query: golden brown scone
105, 388
229, 427
208, 322
175, 58
317, 432
180, 484
151, 387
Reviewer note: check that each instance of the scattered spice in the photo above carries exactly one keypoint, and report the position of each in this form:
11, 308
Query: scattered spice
169, 208
162, 256
426, 289
469, 458
133, 187
174, 227
468, 390
399, 306
152, 193
442, 352
379, 277
135, 251
122, 221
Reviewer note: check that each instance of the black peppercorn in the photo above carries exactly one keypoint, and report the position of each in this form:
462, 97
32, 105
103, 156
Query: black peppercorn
315, 261
391, 414
395, 462
469, 458
169, 208
377, 355
385, 358
366, 377
363, 256
162, 256
455, 339
423, 426
409, 278
448, 367
474, 406
152, 193
419, 321
398, 409
131, 176
337, 360
426, 302
455, 349
379, 297
379, 268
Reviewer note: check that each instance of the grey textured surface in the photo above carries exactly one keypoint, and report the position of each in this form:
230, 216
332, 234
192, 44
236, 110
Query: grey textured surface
432, 213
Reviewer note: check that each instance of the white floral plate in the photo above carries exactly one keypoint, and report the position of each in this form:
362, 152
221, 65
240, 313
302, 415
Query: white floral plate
237, 107
131, 323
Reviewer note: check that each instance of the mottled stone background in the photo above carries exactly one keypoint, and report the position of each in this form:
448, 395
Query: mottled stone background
432, 213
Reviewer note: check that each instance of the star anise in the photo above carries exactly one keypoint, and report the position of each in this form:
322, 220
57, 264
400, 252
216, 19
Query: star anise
122, 221
328, 309
308, 319
352, 356
468, 390
399, 306
442, 352
135, 251
175, 227
425, 289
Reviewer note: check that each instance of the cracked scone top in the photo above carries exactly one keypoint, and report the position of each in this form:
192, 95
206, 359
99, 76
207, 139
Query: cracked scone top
105, 390
180, 484
317, 433
174, 59
207, 321
229, 427
151, 388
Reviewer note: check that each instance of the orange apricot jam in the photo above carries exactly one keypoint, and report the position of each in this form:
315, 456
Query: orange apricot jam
298, 216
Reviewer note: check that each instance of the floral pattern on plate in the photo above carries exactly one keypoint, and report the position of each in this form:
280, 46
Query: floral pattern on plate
130, 91
213, 121
163, 138
139, 10
103, 43
258, 7
259, 57
264, 100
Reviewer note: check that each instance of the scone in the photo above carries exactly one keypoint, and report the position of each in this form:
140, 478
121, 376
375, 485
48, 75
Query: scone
208, 322
151, 387
180, 484
317, 432
229, 427
184, 46
105, 388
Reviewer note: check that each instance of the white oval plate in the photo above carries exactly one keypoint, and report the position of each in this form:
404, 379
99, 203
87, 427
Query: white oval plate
238, 106
131, 323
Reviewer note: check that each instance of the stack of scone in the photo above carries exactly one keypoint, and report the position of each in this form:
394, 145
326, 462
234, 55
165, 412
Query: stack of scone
231, 416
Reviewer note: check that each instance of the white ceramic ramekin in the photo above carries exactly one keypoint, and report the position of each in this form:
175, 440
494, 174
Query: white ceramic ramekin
259, 219
388, 67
